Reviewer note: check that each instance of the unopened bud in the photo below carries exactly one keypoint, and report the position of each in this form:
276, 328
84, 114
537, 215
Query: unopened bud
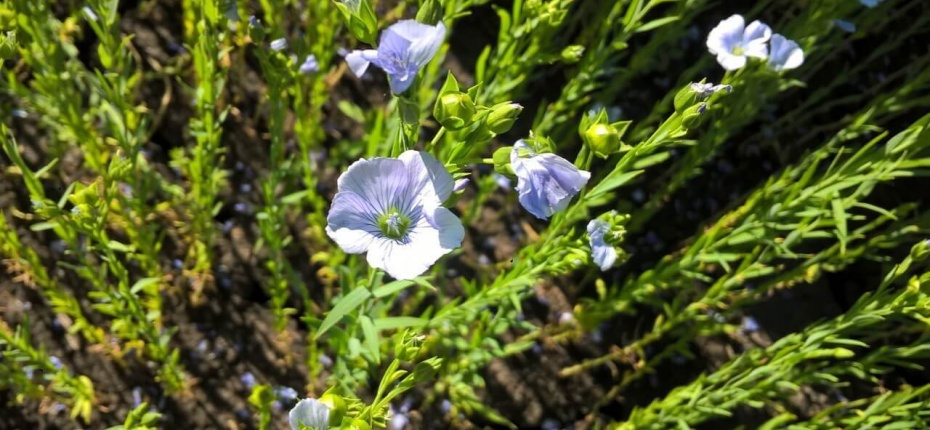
454, 110
602, 139
501, 159
691, 117
502, 117
572, 54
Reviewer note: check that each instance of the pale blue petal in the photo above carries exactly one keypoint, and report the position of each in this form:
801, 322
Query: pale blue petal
603, 254
311, 412
727, 35
382, 182
429, 239
405, 48
431, 182
786, 54
359, 61
546, 183
756, 30
352, 222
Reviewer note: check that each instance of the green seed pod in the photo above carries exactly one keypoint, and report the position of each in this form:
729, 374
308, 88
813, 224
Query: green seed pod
454, 110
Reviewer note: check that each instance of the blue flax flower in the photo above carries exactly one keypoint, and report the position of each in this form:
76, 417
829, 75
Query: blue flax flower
311, 413
546, 183
785, 54
392, 209
603, 254
732, 41
310, 65
404, 49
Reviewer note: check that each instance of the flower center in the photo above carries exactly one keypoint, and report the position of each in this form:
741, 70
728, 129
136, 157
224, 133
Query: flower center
737, 50
394, 224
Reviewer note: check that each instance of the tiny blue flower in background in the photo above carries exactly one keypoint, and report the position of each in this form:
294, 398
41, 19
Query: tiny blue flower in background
845, 25
460, 185
310, 65
278, 44
870, 3
404, 49
785, 54
285, 393
603, 254
392, 209
750, 324
546, 183
311, 413
55, 362
732, 41
247, 379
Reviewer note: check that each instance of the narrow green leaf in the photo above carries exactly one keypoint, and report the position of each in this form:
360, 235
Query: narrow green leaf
345, 305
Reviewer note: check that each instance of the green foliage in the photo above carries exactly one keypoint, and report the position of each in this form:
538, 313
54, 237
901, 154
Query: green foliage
168, 190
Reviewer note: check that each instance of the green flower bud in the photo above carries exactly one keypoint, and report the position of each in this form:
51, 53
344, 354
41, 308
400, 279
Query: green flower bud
430, 12
691, 117
685, 98
502, 161
454, 110
337, 408
572, 54
602, 139
502, 117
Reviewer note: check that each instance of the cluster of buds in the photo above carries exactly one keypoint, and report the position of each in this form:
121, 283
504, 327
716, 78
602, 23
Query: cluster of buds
457, 111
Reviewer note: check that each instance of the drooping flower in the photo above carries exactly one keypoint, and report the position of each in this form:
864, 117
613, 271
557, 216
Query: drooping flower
785, 54
546, 183
392, 209
603, 254
732, 41
404, 49
311, 413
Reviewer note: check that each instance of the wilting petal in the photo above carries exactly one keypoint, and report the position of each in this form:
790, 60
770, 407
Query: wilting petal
603, 254
786, 54
311, 413
727, 35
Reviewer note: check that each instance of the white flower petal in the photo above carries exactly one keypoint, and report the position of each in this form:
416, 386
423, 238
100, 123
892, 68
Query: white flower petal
726, 35
731, 62
429, 239
359, 61
311, 412
756, 30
